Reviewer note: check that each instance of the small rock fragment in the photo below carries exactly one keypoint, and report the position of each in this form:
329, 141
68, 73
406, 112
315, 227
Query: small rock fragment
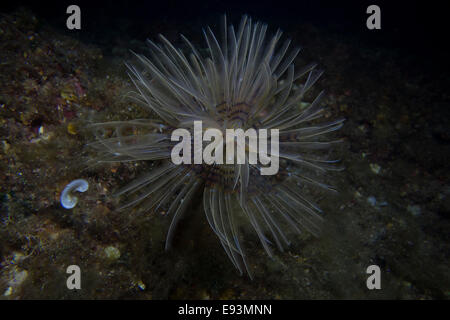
372, 200
375, 168
112, 253
414, 210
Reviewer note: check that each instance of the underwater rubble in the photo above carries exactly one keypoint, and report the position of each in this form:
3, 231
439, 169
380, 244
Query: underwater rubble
392, 208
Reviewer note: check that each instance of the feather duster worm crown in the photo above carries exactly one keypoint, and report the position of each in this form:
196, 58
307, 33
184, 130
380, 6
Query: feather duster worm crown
247, 80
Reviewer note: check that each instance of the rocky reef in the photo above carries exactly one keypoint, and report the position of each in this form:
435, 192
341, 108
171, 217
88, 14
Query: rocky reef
392, 209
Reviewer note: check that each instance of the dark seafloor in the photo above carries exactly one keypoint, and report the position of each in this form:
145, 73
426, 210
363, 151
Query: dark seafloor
392, 209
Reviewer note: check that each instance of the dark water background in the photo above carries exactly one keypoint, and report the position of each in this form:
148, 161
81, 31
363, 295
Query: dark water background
418, 27
390, 84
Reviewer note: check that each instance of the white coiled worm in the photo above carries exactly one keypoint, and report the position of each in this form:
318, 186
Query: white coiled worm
68, 199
